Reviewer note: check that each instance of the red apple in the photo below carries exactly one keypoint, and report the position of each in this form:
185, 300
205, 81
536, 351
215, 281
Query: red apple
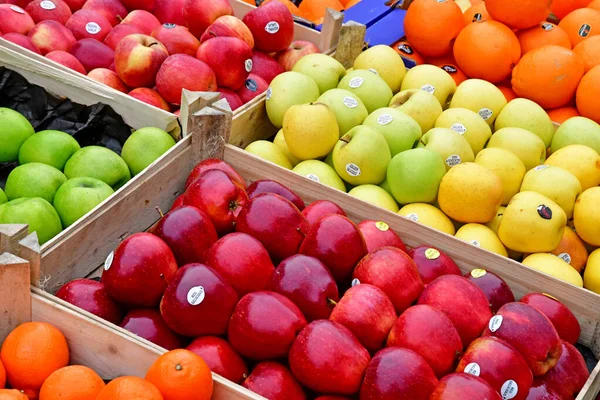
431, 334
21, 40
219, 196
13, 19
230, 58
569, 374
432, 263
321, 208
338, 243
151, 97
20, 3
91, 296
148, 324
562, 318
93, 54
389, 268
499, 364
178, 202
530, 332
139, 270
181, 71
189, 233
198, 302
75, 5
272, 27
298, 49
214, 163
50, 36
66, 59
378, 234
327, 358
495, 289
332, 398
220, 357
368, 313
265, 66
540, 391
146, 5
264, 325
143, 19
43, 10
242, 261
398, 374
119, 32
269, 186
276, 222
169, 11
200, 14
228, 26
252, 88
274, 382
109, 78
112, 10
177, 39
138, 59
231, 97
462, 387
88, 24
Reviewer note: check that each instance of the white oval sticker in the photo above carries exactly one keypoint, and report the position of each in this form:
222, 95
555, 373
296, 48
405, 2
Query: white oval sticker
17, 9
566, 257
473, 369
272, 27
475, 243
92, 28
313, 177
373, 70
453, 160
352, 169
413, 217
350, 102
355, 282
428, 88
109, 260
47, 5
356, 82
384, 119
248, 65
509, 389
485, 113
269, 93
541, 167
495, 323
196, 295
459, 128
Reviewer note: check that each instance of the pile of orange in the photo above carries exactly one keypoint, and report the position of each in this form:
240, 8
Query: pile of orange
312, 10
548, 52
34, 364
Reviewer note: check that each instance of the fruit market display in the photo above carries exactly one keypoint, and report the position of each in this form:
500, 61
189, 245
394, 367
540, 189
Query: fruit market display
296, 301
57, 181
154, 49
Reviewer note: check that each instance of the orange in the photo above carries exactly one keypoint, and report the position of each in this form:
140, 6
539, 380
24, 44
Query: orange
11, 394
561, 114
589, 52
291, 6
588, 95
75, 382
543, 34
519, 14
477, 12
595, 5
129, 387
572, 250
560, 8
315, 9
581, 24
32, 394
431, 26
410, 57
350, 4
455, 72
2, 376
181, 375
32, 352
508, 93
548, 75
487, 50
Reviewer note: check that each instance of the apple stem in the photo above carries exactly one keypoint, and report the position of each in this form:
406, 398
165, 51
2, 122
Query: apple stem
300, 230
153, 44
159, 211
331, 302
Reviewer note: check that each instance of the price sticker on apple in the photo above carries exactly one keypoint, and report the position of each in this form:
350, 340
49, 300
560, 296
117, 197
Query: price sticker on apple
495, 323
352, 169
269, 93
453, 160
384, 119
248, 65
550, 296
109, 260
251, 85
350, 102
432, 254
373, 71
92, 28
473, 369
382, 226
428, 88
478, 273
169, 25
17, 9
459, 128
485, 113
509, 390
47, 5
313, 177
272, 27
355, 282
413, 217
356, 82
196, 295
541, 167
475, 243
566, 257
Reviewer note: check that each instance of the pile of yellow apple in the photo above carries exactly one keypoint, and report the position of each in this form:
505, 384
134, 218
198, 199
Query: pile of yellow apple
462, 160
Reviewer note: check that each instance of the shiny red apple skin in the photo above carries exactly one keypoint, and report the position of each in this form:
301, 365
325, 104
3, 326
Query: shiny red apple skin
569, 375
430, 333
108, 78
60, 13
338, 243
232, 98
389, 268
462, 302
562, 318
181, 71
264, 325
308, 283
321, 208
93, 54
91, 296
276, 222
119, 32
332, 398
540, 391
242, 261
200, 14
228, 26
368, 313
177, 39
398, 374
48, 36
151, 97
74, 5
530, 332
66, 59
169, 11
22, 41
220, 197
265, 66
148, 324
432, 263
15, 20
274, 381
220, 357
494, 287
497, 362
143, 19
178, 202
327, 358
298, 49
272, 27
146, 5
79, 25
138, 58
461, 386
269, 186
230, 58
378, 234
213, 163
189, 232
253, 87
141, 268
112, 10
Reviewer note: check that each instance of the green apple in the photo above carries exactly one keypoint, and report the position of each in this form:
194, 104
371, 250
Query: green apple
15, 129
370, 87
452, 146
414, 176
577, 130
310, 130
329, 160
420, 105
362, 156
324, 70
319, 171
100, 163
507, 166
77, 196
279, 141
524, 144
480, 96
400, 130
526, 114
269, 151
348, 108
34, 180
385, 186
3, 198
145, 146
431, 79
469, 124
35, 212
286, 90
385, 62
48, 147
375, 195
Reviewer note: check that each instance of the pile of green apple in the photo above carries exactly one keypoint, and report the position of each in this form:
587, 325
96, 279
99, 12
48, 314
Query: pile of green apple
57, 181
462, 160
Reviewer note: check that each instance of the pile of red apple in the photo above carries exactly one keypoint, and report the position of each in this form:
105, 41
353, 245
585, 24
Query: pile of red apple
296, 302
152, 49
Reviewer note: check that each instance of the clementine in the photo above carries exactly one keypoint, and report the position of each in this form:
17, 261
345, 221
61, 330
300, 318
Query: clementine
560, 8
589, 52
519, 14
291, 6
508, 93
316, 9
129, 387
2, 376
595, 4
12, 394
477, 12
581, 24
588, 95
408, 54
74, 382
543, 34
561, 114
455, 72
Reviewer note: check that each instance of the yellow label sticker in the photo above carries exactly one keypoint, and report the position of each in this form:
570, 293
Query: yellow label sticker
549, 295
478, 273
432, 254
382, 226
